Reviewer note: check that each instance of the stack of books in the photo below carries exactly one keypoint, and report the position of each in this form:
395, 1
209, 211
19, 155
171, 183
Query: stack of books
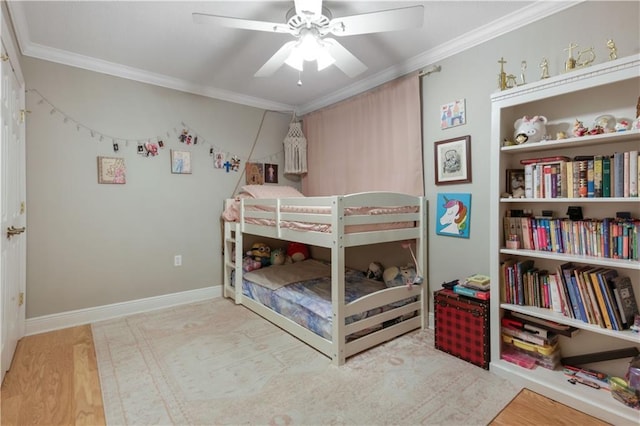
476, 286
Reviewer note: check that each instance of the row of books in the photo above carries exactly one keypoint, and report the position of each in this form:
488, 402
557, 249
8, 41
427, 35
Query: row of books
590, 294
614, 238
587, 176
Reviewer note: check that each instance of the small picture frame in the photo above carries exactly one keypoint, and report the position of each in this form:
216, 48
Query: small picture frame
180, 162
514, 183
453, 215
254, 173
453, 114
270, 173
112, 170
452, 160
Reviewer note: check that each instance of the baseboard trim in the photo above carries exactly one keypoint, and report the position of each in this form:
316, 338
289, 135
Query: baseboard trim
99, 313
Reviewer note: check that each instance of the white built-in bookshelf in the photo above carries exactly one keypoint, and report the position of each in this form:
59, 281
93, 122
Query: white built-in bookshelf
611, 88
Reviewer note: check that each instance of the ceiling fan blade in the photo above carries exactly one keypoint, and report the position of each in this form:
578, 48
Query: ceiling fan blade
245, 24
345, 60
308, 7
377, 22
276, 61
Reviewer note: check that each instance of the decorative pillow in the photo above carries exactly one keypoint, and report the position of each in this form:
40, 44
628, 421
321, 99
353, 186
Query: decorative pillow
271, 191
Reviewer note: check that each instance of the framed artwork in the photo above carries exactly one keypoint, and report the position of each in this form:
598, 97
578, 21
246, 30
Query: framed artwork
254, 173
452, 159
453, 214
270, 173
111, 170
453, 114
515, 183
180, 162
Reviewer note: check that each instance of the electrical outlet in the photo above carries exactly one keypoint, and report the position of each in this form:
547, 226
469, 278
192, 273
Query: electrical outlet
177, 260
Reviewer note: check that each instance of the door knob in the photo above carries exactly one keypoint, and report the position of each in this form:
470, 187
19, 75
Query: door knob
11, 231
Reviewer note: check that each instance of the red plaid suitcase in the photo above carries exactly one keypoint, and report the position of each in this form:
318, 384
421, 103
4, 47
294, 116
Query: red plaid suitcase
462, 327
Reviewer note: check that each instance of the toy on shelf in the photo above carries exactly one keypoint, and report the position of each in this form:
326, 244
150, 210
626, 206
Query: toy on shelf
530, 129
579, 129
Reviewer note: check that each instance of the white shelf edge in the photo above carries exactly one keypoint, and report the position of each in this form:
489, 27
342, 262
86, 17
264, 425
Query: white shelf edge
572, 142
632, 265
572, 200
596, 402
550, 315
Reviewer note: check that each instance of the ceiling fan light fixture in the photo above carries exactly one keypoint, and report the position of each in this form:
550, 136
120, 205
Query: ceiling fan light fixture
295, 59
324, 59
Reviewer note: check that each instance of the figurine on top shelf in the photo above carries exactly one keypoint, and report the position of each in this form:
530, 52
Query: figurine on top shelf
579, 129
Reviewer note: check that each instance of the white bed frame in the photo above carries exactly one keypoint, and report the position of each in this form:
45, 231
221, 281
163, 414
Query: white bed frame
337, 240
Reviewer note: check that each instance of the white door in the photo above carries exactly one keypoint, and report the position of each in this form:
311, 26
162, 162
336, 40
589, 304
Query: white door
12, 207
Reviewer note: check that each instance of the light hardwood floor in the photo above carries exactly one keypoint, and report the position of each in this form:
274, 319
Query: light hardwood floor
54, 381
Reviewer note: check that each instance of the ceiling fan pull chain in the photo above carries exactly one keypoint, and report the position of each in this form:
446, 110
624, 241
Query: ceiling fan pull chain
299, 78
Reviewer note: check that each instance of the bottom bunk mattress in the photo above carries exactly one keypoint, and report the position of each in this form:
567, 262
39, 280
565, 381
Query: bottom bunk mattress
304, 295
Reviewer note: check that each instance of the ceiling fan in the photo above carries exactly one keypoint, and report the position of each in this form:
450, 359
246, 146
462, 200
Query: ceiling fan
309, 22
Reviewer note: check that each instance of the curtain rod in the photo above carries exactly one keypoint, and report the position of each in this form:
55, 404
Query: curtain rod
430, 70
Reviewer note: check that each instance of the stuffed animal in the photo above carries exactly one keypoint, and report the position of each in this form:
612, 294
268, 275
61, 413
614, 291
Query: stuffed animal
260, 252
530, 129
375, 271
396, 276
278, 257
297, 252
249, 264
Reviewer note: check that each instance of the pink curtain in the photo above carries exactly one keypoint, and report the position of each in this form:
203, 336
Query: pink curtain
371, 142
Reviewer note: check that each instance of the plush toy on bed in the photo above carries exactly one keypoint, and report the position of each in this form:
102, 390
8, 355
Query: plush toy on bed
260, 252
396, 276
375, 271
249, 264
297, 252
278, 257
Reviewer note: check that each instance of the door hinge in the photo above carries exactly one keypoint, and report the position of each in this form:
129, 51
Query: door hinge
21, 299
23, 113
23, 207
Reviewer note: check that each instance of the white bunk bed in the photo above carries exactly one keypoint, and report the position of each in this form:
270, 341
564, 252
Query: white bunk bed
338, 222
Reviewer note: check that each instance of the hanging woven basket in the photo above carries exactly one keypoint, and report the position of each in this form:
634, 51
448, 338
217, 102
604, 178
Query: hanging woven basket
295, 150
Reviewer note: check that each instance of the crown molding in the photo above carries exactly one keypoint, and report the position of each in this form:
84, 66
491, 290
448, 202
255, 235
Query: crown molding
525, 16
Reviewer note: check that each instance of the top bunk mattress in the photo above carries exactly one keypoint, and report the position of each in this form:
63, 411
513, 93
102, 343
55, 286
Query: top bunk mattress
296, 212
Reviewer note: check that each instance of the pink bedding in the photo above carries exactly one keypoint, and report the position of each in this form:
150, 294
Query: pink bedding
232, 213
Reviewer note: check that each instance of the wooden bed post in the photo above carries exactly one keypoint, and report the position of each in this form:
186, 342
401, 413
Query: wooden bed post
421, 248
337, 283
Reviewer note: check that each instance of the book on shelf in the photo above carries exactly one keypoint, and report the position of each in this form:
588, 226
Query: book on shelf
634, 175
606, 176
583, 176
550, 326
625, 299
600, 297
605, 279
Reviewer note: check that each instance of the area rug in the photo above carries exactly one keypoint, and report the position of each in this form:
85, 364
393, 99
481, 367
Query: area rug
218, 363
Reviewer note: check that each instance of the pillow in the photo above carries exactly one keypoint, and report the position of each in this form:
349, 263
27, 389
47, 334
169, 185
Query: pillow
271, 191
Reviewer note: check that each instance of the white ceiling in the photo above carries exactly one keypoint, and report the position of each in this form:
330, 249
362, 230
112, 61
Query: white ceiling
157, 42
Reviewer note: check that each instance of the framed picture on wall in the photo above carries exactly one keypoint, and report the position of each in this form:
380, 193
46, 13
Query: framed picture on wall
452, 160
453, 212
453, 114
270, 173
180, 162
111, 170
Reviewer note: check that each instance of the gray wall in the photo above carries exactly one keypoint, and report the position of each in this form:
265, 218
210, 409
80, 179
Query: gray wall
91, 245
473, 75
